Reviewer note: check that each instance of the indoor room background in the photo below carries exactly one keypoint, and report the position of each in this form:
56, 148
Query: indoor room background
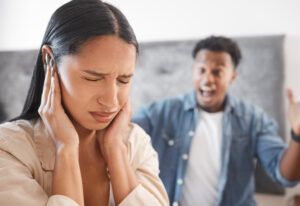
172, 27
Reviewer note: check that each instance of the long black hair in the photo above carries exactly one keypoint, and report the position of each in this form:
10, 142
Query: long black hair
69, 27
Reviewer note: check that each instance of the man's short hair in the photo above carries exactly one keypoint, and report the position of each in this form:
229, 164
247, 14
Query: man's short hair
220, 44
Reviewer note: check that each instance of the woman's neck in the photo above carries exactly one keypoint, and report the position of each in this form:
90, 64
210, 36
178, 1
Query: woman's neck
87, 138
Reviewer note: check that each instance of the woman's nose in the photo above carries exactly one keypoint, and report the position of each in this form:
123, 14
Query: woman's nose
109, 98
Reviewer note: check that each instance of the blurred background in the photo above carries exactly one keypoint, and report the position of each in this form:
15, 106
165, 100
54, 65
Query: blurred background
22, 25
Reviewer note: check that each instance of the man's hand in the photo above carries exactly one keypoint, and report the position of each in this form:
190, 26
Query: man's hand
294, 112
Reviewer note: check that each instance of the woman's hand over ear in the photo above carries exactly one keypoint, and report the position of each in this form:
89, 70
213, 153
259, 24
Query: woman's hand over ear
53, 114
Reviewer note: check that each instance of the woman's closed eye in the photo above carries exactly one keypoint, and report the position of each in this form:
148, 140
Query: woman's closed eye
92, 79
124, 81
99, 79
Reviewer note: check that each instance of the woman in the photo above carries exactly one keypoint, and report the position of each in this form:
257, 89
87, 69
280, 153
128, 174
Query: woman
73, 143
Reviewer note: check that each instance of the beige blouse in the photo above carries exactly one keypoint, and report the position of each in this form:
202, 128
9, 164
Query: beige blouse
27, 157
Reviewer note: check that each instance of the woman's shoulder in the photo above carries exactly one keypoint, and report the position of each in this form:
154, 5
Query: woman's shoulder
16, 131
16, 138
139, 146
136, 134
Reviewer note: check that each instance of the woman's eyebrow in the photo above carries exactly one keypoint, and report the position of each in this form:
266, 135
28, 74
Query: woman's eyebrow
95, 73
104, 74
126, 76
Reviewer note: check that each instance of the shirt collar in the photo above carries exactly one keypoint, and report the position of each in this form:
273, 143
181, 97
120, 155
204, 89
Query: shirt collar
190, 101
229, 103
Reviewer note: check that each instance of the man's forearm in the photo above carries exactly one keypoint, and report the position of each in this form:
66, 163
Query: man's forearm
290, 162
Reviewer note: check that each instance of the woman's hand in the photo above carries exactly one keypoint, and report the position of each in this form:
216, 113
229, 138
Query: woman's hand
114, 151
52, 113
110, 139
294, 113
66, 178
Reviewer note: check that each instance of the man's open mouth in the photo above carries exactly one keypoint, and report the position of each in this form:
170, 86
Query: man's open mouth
207, 92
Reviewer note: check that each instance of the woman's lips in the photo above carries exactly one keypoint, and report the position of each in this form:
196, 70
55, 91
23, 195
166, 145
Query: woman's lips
103, 117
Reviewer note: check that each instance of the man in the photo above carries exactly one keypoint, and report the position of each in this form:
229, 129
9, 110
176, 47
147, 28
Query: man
207, 140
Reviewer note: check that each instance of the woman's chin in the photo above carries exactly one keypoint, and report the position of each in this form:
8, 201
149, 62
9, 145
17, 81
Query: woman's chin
89, 124
95, 126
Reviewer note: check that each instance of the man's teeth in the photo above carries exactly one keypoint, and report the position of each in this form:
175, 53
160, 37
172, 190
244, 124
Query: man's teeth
206, 89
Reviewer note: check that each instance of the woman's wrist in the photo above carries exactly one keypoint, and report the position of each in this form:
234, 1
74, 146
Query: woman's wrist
70, 150
114, 152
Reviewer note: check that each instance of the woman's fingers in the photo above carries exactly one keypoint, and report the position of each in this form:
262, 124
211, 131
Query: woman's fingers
123, 118
51, 96
127, 111
46, 87
56, 95
130, 110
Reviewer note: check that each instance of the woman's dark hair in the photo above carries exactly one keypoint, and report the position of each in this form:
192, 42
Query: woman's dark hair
220, 44
2, 113
69, 27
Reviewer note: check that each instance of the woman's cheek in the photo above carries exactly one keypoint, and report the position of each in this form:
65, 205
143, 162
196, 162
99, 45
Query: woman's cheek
74, 93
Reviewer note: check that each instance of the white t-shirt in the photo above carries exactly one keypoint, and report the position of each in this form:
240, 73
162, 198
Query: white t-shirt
204, 164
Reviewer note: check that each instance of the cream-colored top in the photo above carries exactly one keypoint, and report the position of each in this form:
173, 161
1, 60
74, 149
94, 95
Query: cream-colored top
27, 157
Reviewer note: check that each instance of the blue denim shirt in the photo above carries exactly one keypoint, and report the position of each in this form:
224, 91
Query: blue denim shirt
248, 134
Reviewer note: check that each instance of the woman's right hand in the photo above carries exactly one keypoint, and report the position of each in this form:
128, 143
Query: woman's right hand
53, 114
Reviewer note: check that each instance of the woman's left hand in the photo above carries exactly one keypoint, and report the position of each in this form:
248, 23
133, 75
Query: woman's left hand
110, 139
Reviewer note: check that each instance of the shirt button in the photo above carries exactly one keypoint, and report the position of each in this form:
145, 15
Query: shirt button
171, 142
179, 181
191, 133
185, 156
175, 204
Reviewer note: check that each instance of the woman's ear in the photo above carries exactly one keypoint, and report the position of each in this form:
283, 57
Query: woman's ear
46, 50
48, 59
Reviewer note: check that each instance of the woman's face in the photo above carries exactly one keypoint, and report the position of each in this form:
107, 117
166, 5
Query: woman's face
95, 83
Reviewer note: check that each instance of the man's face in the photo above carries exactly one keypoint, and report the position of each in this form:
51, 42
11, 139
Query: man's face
213, 72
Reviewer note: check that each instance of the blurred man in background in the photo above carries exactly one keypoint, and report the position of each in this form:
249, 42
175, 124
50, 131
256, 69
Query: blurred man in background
207, 140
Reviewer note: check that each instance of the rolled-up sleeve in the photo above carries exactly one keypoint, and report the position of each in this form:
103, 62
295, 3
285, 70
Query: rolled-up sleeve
144, 159
270, 149
18, 186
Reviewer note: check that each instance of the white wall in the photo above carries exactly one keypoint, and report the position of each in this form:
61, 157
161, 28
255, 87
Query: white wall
23, 23
160, 19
